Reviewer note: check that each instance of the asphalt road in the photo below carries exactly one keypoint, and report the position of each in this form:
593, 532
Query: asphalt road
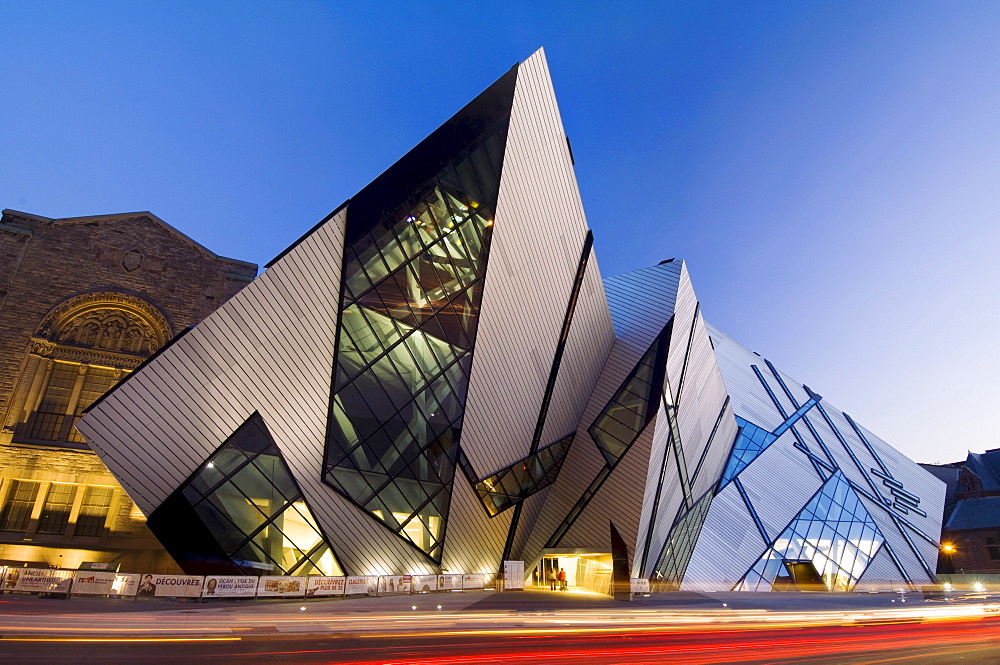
507, 628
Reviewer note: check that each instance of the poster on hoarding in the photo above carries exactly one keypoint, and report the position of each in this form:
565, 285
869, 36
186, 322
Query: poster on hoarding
125, 584
513, 575
473, 581
639, 585
361, 585
450, 582
39, 580
274, 586
391, 584
90, 583
175, 586
229, 586
325, 586
424, 583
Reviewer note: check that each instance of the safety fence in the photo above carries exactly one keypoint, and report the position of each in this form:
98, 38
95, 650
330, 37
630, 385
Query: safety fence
139, 585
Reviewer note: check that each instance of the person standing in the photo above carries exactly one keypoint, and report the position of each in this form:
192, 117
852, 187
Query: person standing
563, 586
551, 577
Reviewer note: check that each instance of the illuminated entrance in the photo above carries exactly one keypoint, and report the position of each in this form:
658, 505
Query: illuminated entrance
586, 572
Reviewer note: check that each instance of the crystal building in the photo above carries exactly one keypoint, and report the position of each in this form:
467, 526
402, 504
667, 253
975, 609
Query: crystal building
436, 378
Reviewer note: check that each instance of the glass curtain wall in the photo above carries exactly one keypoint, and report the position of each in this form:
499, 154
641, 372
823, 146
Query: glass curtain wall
634, 405
247, 500
834, 532
680, 545
411, 294
522, 478
750, 442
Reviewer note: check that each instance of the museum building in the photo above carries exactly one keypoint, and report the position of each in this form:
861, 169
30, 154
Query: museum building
436, 378
83, 302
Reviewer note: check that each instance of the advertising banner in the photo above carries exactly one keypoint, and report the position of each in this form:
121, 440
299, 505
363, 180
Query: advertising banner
325, 586
473, 581
39, 580
281, 586
89, 583
424, 583
362, 585
125, 584
513, 575
230, 586
450, 582
639, 585
390, 584
176, 586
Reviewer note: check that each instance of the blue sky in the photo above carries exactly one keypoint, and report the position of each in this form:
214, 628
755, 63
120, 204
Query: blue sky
829, 170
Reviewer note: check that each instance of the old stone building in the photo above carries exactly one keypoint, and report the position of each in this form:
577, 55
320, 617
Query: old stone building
971, 534
83, 302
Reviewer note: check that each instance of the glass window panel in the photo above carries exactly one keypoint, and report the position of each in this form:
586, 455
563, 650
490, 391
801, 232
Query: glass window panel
368, 457
613, 428
93, 511
423, 356
274, 470
54, 406
226, 533
414, 294
351, 482
254, 562
260, 490
16, 512
55, 512
408, 237
237, 508
371, 259
271, 541
356, 281
392, 253
364, 404
398, 390
458, 374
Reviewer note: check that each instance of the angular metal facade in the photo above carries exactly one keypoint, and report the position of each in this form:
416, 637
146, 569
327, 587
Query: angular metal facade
437, 378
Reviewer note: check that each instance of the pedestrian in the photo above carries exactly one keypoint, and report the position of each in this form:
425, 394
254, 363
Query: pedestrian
551, 577
563, 585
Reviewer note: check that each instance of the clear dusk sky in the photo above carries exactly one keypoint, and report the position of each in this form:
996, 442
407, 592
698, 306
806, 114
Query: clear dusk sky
829, 170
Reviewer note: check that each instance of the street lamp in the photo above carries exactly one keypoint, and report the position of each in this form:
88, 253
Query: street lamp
947, 566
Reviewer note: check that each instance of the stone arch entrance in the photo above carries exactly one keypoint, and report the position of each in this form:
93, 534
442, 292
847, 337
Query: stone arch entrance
81, 348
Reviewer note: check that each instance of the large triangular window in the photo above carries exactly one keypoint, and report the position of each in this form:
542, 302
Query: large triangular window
243, 513
412, 286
